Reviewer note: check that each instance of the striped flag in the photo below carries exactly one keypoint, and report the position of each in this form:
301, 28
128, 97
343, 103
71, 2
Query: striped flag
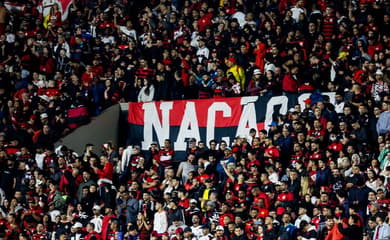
63, 6
43, 7
13, 6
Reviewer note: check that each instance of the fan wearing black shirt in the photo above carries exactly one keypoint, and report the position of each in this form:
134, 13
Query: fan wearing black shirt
352, 231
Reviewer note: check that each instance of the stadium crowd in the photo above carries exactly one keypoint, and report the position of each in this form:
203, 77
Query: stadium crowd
319, 172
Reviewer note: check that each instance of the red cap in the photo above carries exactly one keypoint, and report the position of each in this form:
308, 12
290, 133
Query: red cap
307, 101
280, 210
231, 60
179, 231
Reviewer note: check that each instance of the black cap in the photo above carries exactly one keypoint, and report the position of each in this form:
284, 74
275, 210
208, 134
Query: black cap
205, 226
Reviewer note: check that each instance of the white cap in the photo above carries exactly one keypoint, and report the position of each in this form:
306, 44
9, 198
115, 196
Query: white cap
378, 72
292, 110
256, 71
44, 115
96, 207
219, 228
45, 98
77, 225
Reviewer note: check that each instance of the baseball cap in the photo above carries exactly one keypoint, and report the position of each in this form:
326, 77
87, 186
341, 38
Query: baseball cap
378, 72
256, 71
96, 207
211, 203
292, 110
193, 201
77, 225
179, 231
273, 124
219, 228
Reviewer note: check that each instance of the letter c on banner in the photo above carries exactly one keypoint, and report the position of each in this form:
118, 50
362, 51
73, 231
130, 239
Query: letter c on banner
280, 100
216, 106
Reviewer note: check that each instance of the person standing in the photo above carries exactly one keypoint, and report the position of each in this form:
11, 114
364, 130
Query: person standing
160, 223
352, 231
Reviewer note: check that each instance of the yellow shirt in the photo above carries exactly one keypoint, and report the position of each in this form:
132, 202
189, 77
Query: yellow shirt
205, 197
239, 74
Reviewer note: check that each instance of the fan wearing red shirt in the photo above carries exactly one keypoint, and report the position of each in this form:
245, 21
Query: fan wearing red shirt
91, 232
165, 155
335, 144
297, 154
225, 216
271, 152
202, 175
318, 131
241, 204
252, 160
40, 233
284, 198
253, 215
316, 153
257, 194
184, 202
260, 206
105, 175
87, 76
106, 222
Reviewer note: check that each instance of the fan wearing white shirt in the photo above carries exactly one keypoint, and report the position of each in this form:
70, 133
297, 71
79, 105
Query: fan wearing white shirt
160, 222
128, 30
203, 52
382, 230
297, 10
302, 216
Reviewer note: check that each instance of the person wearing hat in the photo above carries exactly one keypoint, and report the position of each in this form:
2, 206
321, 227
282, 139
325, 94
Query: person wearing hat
379, 87
236, 71
257, 86
77, 232
97, 219
203, 52
227, 158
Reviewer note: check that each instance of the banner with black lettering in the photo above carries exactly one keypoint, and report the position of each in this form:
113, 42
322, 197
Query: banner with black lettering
203, 119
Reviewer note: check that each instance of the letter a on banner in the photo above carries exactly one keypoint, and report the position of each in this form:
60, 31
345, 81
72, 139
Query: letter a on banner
152, 120
189, 127
248, 116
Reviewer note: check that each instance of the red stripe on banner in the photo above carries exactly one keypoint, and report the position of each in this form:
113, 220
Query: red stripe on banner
135, 114
202, 110
260, 126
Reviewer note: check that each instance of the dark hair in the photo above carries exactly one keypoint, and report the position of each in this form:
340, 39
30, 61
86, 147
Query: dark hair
355, 218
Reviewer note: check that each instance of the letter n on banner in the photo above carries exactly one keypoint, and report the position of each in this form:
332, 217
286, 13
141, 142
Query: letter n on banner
152, 121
